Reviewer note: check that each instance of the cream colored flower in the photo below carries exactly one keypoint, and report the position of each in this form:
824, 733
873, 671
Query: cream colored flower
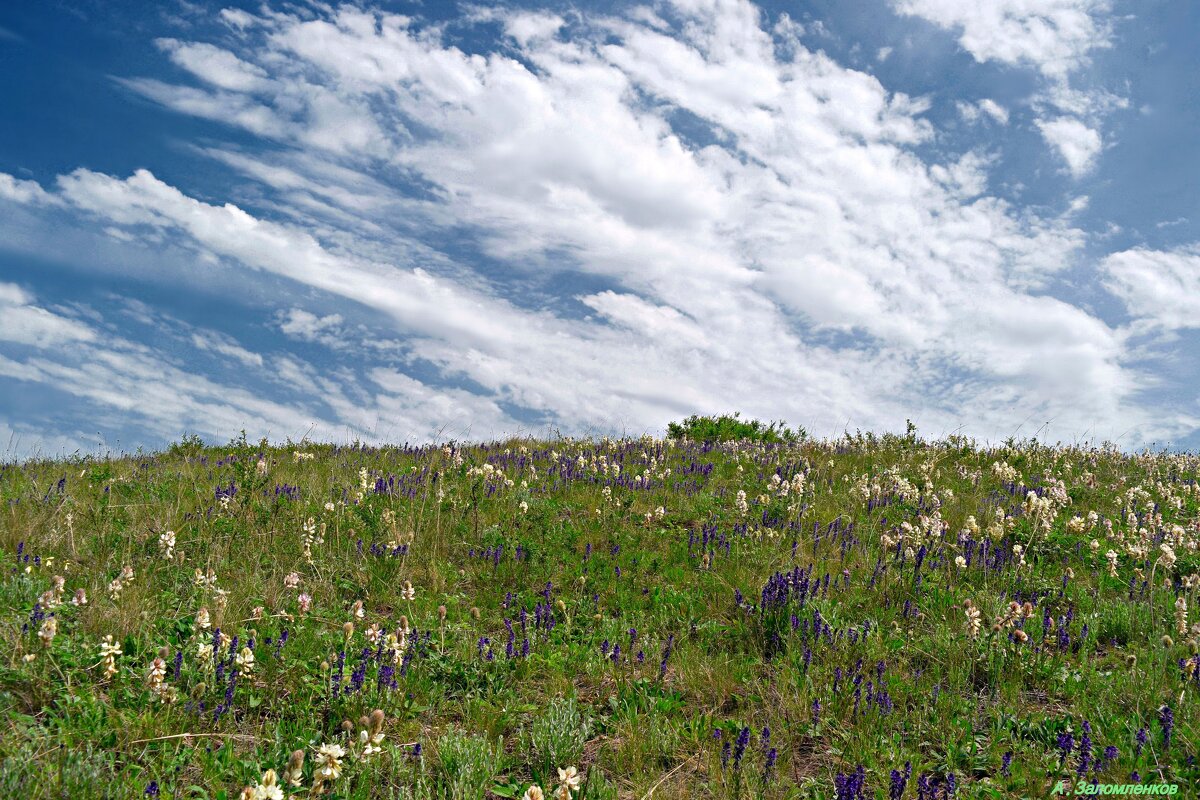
329, 762
268, 788
534, 793
109, 650
48, 631
973, 620
568, 779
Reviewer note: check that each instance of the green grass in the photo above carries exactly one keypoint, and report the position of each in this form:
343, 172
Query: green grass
664, 556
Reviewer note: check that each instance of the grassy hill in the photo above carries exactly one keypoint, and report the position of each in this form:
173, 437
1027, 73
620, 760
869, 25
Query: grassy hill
872, 617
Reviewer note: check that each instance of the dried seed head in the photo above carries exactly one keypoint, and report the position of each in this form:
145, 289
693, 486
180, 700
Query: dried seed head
348, 629
441, 612
475, 612
1167, 641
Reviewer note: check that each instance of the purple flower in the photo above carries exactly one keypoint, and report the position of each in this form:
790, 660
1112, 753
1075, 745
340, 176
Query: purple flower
740, 747
816, 709
769, 769
1006, 764
662, 668
1142, 737
1166, 718
152, 789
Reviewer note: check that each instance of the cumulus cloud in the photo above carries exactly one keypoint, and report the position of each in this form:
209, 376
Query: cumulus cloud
1055, 36
1075, 142
1159, 287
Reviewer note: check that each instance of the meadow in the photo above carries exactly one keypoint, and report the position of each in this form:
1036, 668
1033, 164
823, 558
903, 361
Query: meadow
776, 617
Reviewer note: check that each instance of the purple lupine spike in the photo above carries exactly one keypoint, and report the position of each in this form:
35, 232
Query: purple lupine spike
740, 747
1166, 719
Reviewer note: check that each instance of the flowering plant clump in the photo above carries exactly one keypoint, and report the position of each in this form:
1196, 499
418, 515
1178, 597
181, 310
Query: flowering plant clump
712, 614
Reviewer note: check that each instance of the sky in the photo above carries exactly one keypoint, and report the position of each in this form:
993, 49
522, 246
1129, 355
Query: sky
422, 221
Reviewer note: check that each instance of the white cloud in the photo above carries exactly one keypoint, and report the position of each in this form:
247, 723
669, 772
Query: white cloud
306, 326
22, 191
215, 66
22, 322
1055, 36
225, 346
972, 112
1075, 142
1160, 287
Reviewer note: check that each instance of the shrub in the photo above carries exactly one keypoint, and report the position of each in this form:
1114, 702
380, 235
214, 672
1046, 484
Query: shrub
556, 738
732, 426
469, 764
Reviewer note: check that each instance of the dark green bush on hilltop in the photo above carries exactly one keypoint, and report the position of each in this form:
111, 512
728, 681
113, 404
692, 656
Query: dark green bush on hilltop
731, 426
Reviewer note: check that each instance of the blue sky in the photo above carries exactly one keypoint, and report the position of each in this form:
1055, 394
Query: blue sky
414, 221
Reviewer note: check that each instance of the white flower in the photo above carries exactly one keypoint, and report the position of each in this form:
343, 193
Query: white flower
291, 580
329, 762
569, 778
48, 630
409, 593
534, 793
245, 661
268, 788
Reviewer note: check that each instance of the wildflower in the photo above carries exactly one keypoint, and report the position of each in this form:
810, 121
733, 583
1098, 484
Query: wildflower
534, 793
409, 593
960, 562
156, 675
166, 542
1181, 615
569, 780
114, 589
268, 789
305, 601
291, 580
294, 772
973, 621
109, 650
1166, 719
203, 621
371, 735
1111, 555
245, 661
329, 762
48, 631
80, 598
357, 610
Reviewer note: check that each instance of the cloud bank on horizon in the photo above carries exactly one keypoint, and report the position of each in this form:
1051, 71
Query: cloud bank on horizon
352, 223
